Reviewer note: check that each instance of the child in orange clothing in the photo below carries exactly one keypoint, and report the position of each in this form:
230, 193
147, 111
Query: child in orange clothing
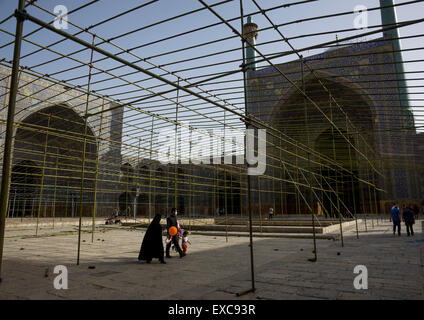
185, 241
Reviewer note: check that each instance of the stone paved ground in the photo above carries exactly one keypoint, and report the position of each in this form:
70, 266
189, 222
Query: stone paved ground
214, 268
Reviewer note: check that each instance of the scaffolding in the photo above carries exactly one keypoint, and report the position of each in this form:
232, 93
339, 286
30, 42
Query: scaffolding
99, 122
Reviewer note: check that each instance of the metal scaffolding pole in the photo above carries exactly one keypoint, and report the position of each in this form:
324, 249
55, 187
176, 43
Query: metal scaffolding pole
337, 184
55, 183
249, 38
225, 183
43, 170
260, 203
84, 154
313, 221
7, 153
150, 172
355, 211
176, 149
305, 165
93, 224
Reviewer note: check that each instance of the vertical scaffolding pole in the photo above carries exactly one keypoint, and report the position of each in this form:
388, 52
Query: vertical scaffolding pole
8, 209
67, 198
370, 202
273, 188
260, 203
176, 148
246, 86
352, 184
241, 194
93, 224
225, 182
297, 183
281, 179
43, 170
150, 171
306, 127
337, 187
190, 199
375, 196
55, 183
7, 153
215, 188
23, 210
167, 193
231, 194
324, 209
137, 181
365, 214
18, 205
84, 153
313, 219
14, 203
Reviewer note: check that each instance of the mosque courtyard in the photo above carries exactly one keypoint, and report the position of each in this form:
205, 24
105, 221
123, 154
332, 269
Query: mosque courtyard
214, 268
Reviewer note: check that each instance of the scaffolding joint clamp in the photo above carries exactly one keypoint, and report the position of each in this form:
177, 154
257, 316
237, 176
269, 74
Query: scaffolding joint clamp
21, 15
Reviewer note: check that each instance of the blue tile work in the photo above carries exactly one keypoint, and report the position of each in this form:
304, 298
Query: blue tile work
364, 71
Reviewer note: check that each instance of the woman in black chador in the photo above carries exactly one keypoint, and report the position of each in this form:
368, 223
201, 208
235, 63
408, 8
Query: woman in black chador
152, 246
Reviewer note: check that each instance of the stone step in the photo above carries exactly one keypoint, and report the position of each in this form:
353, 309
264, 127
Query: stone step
334, 228
268, 235
277, 222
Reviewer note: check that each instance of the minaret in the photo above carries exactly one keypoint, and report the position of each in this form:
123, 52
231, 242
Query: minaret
389, 19
116, 126
250, 34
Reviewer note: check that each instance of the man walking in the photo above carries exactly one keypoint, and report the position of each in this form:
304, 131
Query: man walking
395, 219
408, 218
171, 221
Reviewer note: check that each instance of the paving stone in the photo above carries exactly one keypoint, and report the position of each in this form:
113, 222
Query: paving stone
213, 268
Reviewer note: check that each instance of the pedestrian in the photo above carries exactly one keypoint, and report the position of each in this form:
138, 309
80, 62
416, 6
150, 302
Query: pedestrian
422, 207
114, 219
185, 240
395, 212
171, 221
152, 245
408, 218
319, 210
270, 213
348, 214
416, 211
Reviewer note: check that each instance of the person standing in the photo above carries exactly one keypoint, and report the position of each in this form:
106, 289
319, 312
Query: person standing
319, 210
171, 221
422, 207
152, 245
408, 218
395, 212
416, 211
270, 213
